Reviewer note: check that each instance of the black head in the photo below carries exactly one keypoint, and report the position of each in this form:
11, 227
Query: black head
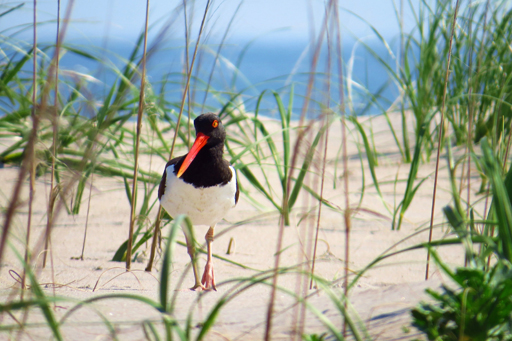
210, 125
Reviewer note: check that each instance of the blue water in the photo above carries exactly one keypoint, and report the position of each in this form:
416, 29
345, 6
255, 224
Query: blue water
264, 65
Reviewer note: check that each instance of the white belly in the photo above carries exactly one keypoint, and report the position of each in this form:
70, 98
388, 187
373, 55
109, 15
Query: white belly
204, 206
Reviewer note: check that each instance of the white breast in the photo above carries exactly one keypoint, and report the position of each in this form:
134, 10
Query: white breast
204, 206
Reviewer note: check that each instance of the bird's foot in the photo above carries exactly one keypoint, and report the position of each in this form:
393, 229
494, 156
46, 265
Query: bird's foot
198, 287
208, 279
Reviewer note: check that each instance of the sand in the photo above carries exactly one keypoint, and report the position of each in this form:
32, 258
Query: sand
382, 297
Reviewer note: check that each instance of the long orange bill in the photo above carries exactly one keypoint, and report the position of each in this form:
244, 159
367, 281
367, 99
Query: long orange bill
196, 147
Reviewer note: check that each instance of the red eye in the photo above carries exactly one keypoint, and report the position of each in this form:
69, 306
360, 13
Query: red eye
215, 124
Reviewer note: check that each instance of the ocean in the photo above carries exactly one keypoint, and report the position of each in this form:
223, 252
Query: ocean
246, 70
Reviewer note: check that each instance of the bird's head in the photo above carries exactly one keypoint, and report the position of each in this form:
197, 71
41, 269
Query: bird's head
209, 133
210, 126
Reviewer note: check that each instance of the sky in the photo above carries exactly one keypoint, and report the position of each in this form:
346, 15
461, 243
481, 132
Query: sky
279, 20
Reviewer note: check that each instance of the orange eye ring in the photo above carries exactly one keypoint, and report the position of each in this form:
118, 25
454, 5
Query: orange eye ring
215, 124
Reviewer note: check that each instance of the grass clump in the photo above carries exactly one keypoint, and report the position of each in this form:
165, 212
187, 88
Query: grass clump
477, 88
477, 306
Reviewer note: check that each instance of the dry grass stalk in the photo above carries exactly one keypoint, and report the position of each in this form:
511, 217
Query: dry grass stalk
137, 143
440, 133
31, 154
156, 232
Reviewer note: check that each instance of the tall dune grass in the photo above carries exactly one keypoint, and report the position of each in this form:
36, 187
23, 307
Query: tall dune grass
84, 134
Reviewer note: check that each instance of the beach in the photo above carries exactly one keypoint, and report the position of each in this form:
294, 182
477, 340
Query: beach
381, 297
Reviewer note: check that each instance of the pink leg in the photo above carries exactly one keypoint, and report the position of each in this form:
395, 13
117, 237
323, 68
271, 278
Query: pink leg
208, 279
192, 253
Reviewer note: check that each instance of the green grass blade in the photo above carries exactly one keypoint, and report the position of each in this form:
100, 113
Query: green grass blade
128, 190
136, 298
305, 167
356, 325
410, 189
11, 9
81, 53
501, 200
152, 329
371, 159
457, 223
442, 242
147, 235
120, 253
7, 75
44, 303
210, 320
168, 255
285, 124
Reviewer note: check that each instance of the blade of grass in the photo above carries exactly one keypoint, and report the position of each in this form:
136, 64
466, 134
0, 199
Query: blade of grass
440, 134
305, 167
501, 199
30, 154
168, 256
371, 159
137, 146
410, 189
43, 302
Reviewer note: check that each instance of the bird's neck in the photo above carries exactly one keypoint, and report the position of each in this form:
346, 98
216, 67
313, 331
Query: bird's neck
210, 154
208, 168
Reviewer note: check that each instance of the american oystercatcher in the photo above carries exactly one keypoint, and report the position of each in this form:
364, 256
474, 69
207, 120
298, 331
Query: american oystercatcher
202, 185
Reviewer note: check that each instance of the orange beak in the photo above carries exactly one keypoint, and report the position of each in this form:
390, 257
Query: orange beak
196, 147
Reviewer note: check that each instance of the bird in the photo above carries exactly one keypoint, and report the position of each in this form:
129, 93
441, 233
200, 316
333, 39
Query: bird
202, 185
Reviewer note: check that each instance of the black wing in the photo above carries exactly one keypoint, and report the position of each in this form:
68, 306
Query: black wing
161, 188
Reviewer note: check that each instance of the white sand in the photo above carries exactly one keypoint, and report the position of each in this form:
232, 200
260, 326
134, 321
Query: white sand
381, 297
